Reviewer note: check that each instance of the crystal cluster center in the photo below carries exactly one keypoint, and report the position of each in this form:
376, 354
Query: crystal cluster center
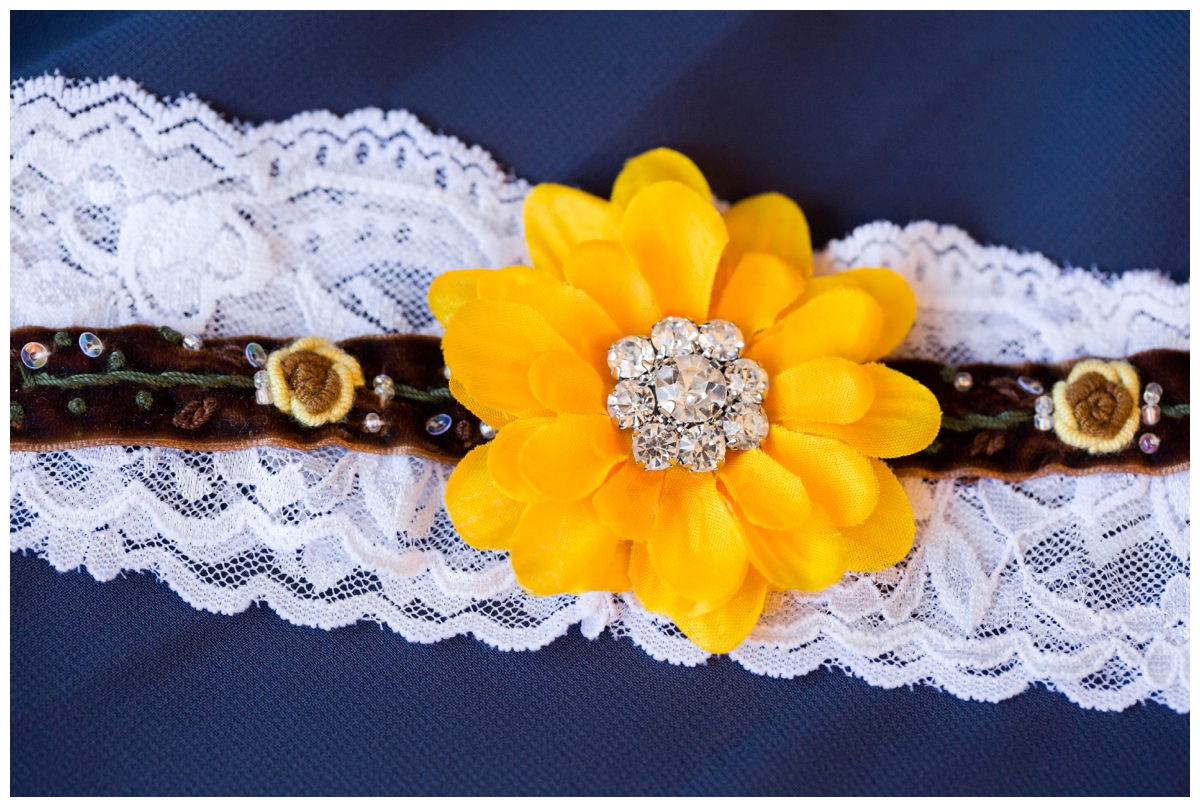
687, 394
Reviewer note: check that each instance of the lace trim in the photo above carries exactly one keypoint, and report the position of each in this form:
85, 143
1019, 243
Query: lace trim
126, 209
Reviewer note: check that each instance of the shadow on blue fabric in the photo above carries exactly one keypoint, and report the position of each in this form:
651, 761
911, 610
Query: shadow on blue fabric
1062, 133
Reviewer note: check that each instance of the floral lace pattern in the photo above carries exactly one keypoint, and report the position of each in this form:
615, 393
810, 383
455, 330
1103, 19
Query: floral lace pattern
125, 209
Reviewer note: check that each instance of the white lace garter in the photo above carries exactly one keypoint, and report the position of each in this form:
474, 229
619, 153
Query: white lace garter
128, 210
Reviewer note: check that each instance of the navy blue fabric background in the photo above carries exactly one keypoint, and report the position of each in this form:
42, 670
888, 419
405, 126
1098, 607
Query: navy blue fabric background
1063, 133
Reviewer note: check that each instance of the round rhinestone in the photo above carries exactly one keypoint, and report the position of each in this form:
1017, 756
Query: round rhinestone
630, 403
486, 431
674, 336
372, 423
439, 424
1151, 415
721, 340
34, 355
655, 445
384, 387
690, 389
630, 357
261, 381
747, 380
702, 447
1149, 443
1044, 405
256, 355
90, 344
193, 342
263, 395
1030, 385
963, 382
1043, 422
1153, 393
745, 425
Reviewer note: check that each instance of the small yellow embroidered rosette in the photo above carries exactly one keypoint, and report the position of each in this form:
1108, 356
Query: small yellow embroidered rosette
313, 380
1096, 408
559, 487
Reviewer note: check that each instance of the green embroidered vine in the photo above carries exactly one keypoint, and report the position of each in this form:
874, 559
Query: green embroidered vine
972, 421
1177, 411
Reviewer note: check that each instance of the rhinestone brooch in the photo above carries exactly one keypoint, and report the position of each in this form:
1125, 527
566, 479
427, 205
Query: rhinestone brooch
687, 394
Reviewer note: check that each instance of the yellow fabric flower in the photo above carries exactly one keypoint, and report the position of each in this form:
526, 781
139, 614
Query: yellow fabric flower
558, 487
1096, 407
313, 381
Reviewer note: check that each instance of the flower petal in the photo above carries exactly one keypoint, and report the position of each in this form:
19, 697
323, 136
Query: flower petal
616, 576
557, 218
493, 417
696, 545
886, 536
449, 291
561, 548
838, 479
482, 514
675, 238
844, 323
504, 460
604, 271
571, 457
889, 289
770, 223
809, 558
828, 389
760, 286
654, 166
725, 627
628, 500
564, 382
903, 419
770, 495
575, 316
491, 347
656, 595
496, 284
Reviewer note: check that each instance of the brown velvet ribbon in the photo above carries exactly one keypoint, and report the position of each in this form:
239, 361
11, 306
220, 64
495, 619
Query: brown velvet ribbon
209, 414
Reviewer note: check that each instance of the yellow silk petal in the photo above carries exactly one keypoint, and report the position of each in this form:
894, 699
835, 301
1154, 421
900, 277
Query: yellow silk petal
481, 513
656, 595
696, 545
490, 348
723, 628
575, 316
557, 218
903, 419
675, 238
616, 576
564, 382
809, 558
493, 417
562, 548
571, 457
829, 389
504, 460
770, 223
770, 495
628, 501
759, 288
843, 323
604, 271
449, 291
889, 289
886, 536
657, 165
838, 479
496, 285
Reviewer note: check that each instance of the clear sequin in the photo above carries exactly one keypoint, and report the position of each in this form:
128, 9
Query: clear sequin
1043, 422
690, 388
721, 340
747, 381
261, 381
486, 431
446, 372
1151, 415
655, 445
963, 381
372, 422
256, 355
1044, 405
90, 344
263, 395
1030, 385
1152, 394
34, 355
439, 424
674, 336
745, 425
630, 403
630, 357
702, 447
384, 387
193, 342
1149, 443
